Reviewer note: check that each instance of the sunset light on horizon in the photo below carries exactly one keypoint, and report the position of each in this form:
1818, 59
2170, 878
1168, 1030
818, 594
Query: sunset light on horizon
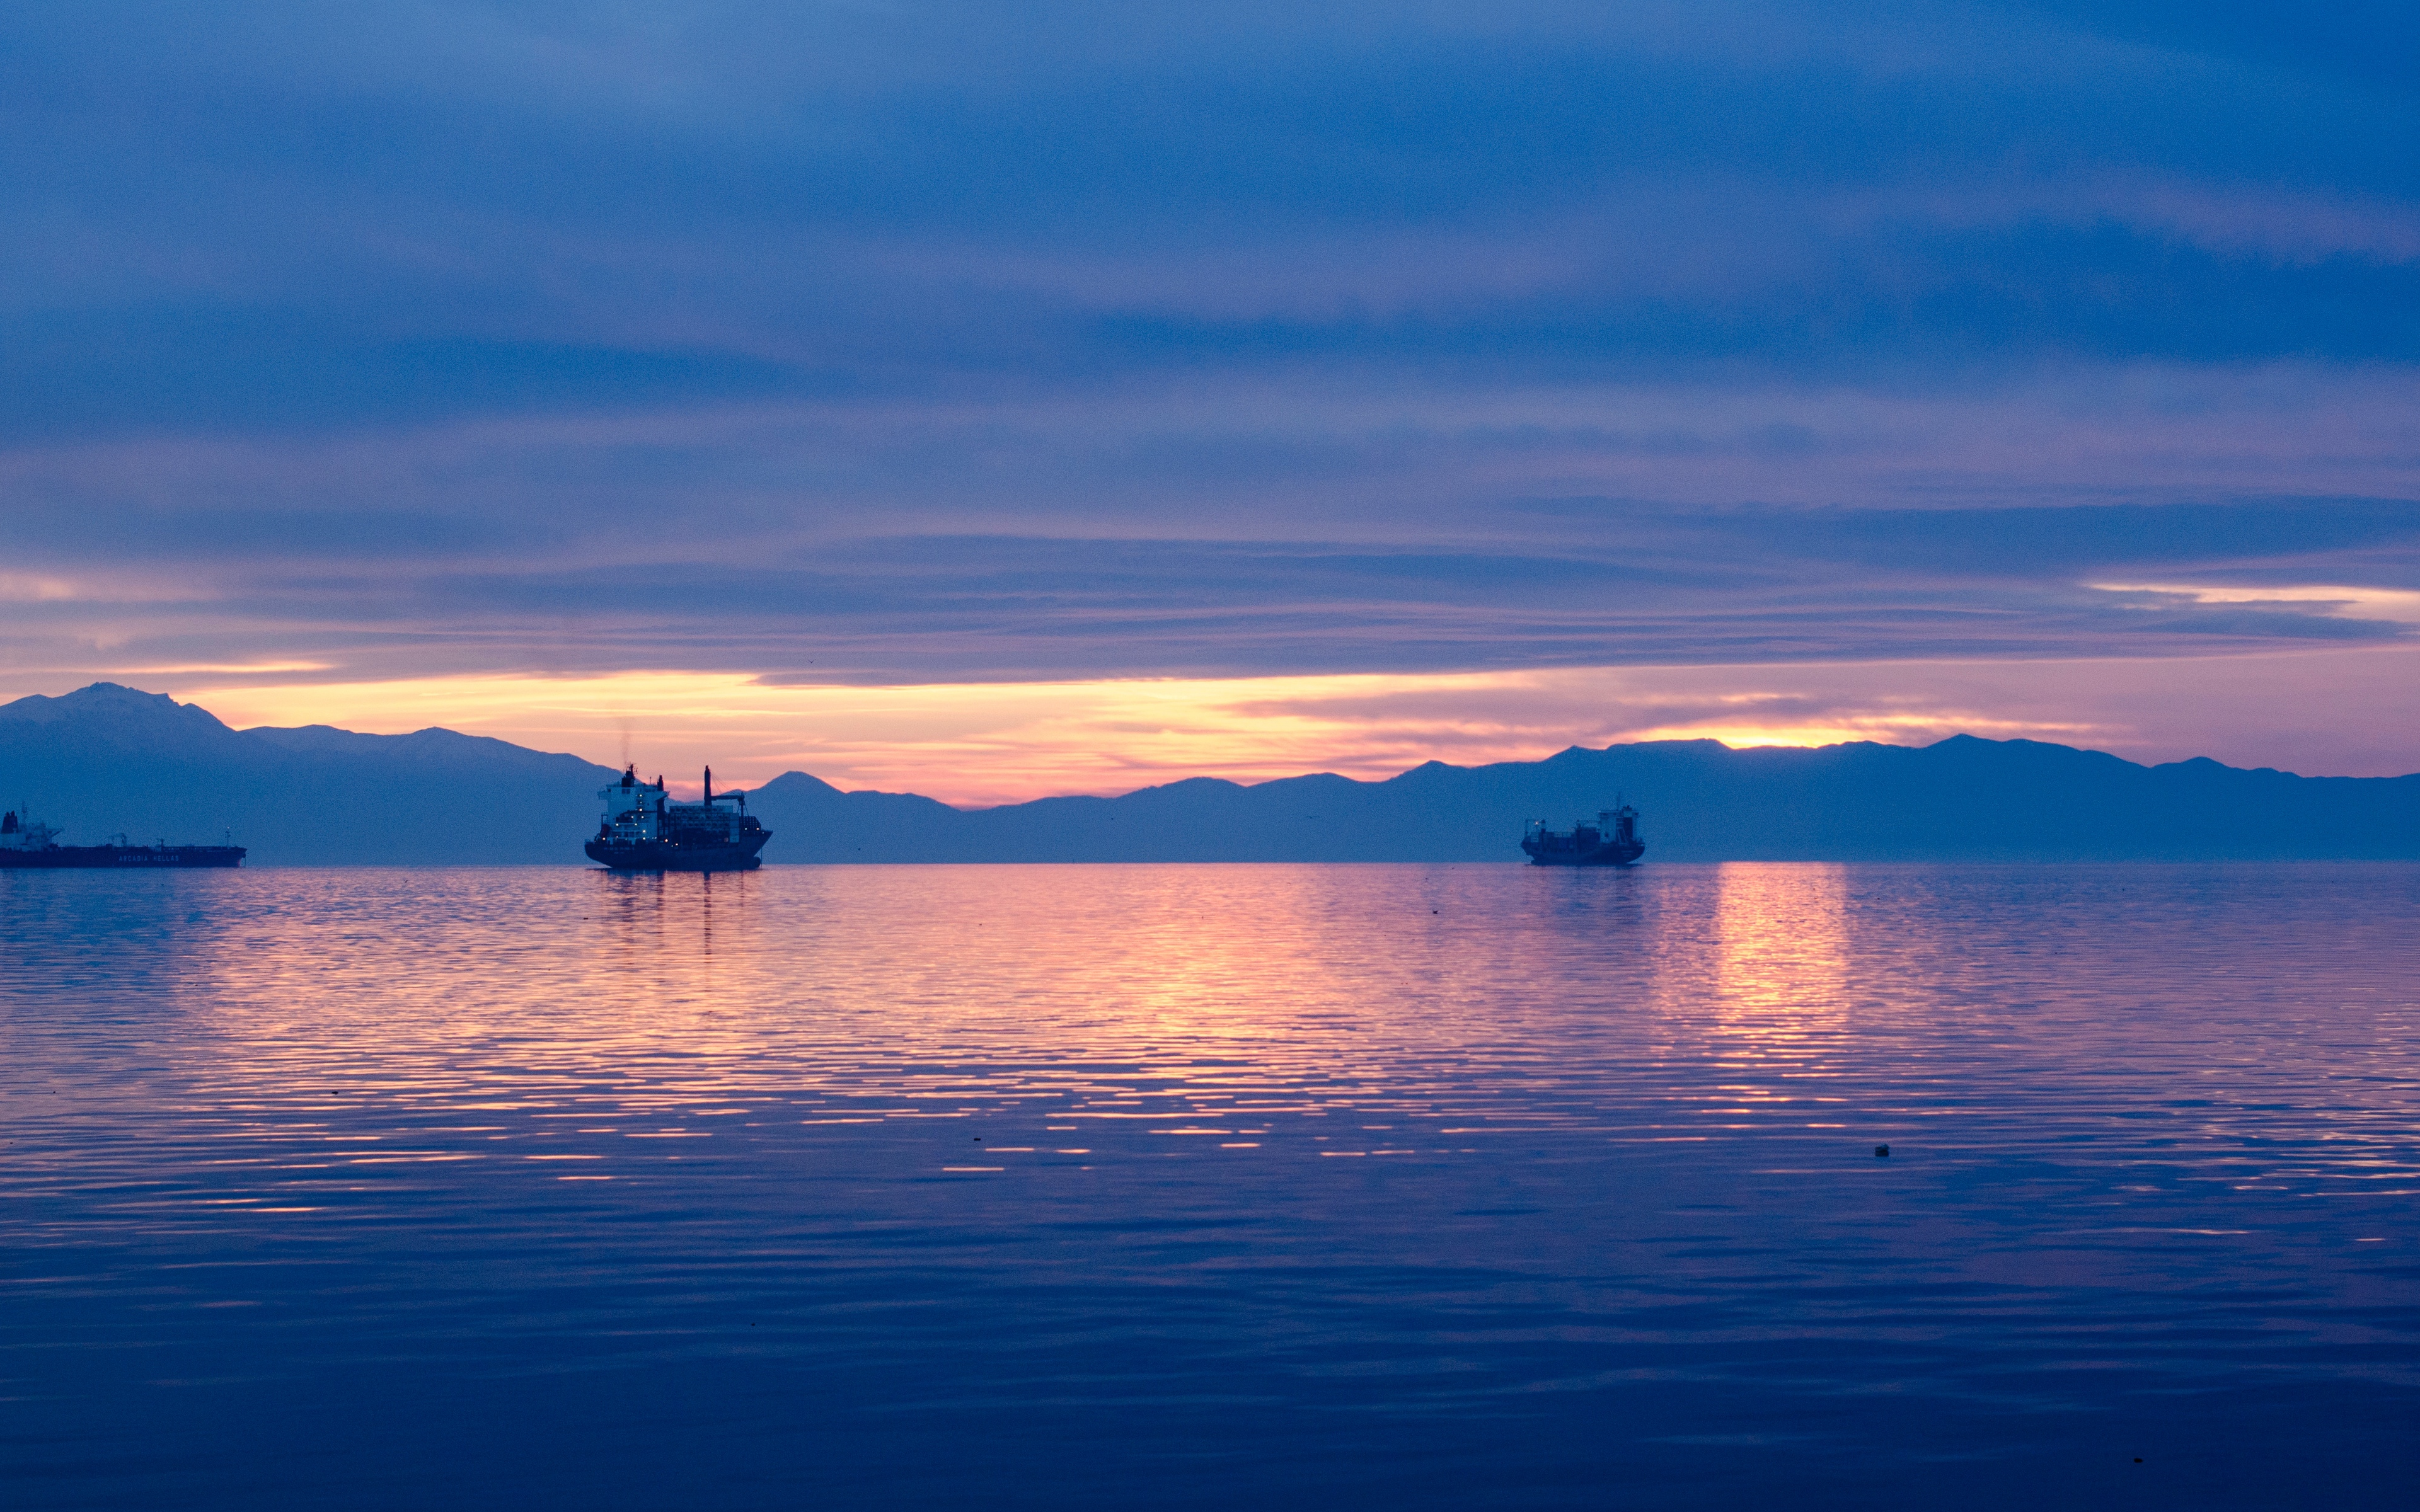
988, 743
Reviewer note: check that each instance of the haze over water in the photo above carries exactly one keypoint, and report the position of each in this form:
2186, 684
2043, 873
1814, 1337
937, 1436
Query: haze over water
1208, 1186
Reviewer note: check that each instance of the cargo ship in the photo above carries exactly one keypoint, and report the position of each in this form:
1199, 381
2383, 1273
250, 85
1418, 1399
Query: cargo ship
644, 830
1612, 840
25, 845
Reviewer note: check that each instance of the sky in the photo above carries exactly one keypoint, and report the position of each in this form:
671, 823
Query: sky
991, 401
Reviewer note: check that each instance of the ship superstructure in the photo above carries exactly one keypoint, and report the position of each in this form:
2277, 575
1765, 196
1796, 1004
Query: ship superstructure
25, 845
1612, 840
644, 830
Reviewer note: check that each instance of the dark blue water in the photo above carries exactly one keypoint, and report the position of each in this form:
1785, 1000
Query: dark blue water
1210, 1187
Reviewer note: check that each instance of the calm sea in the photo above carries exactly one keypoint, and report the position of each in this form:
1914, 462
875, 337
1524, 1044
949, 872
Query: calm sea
1232, 1187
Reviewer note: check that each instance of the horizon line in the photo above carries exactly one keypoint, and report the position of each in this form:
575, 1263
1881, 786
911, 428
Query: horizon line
1729, 747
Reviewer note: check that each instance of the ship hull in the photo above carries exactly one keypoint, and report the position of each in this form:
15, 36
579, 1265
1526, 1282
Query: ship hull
660, 855
1611, 853
121, 857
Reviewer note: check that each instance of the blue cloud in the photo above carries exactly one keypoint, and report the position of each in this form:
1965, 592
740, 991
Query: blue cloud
1156, 338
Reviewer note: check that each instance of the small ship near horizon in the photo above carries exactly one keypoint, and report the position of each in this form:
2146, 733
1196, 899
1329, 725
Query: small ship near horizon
1612, 840
27, 846
644, 830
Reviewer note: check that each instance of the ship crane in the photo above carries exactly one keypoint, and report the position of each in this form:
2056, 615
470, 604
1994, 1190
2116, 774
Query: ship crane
713, 798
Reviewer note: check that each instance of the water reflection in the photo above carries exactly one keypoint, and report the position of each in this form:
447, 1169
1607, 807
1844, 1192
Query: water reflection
1162, 996
1782, 961
1434, 1144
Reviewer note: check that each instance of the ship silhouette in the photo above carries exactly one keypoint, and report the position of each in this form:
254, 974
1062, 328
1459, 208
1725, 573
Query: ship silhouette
644, 830
30, 847
1612, 840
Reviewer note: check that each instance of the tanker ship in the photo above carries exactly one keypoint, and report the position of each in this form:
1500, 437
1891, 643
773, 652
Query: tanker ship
644, 830
1612, 840
25, 845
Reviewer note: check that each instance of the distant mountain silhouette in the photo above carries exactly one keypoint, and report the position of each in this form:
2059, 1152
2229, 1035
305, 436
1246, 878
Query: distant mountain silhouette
105, 760
1961, 799
108, 759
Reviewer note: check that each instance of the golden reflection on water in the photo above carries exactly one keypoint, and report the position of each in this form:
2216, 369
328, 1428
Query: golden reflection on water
320, 1027
1780, 983
1781, 963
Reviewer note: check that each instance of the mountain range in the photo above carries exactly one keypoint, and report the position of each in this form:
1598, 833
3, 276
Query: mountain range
107, 759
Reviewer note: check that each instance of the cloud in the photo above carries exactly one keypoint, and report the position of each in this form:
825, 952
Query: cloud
2370, 605
1337, 523
942, 343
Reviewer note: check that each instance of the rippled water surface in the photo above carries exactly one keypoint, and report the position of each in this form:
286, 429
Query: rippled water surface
1079, 1187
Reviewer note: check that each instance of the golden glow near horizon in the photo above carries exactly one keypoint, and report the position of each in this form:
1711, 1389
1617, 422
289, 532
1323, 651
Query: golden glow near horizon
1003, 742
980, 742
